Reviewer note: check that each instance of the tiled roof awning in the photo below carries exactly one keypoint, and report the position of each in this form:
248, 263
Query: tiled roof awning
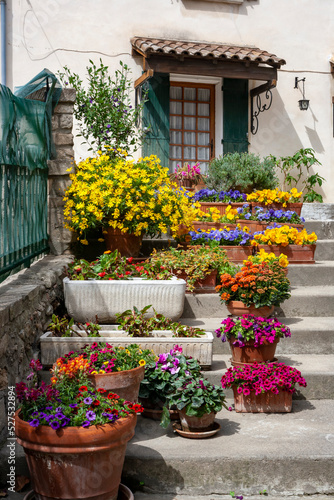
157, 46
209, 59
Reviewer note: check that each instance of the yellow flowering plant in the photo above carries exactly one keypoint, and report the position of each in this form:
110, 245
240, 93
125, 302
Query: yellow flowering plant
230, 216
263, 256
284, 236
135, 197
269, 196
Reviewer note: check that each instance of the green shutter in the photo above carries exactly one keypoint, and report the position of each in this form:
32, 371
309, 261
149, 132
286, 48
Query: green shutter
156, 118
235, 115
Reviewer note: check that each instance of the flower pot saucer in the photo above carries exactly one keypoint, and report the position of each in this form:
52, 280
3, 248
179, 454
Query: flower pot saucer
196, 435
124, 493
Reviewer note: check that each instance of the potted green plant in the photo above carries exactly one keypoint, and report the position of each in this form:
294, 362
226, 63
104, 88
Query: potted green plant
298, 246
114, 369
68, 425
266, 388
112, 283
198, 265
160, 379
255, 289
252, 339
126, 199
241, 171
197, 401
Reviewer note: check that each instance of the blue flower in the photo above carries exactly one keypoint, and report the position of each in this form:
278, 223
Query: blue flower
34, 422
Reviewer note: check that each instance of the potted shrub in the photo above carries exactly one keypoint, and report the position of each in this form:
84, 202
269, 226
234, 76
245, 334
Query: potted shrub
298, 246
255, 289
236, 242
197, 265
160, 378
197, 401
252, 339
220, 200
266, 388
156, 333
127, 199
112, 284
112, 369
67, 426
241, 171
276, 199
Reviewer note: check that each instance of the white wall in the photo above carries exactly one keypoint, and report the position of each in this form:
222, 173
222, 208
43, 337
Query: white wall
53, 33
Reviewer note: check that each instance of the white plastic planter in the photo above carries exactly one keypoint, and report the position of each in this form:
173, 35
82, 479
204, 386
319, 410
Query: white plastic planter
89, 298
160, 341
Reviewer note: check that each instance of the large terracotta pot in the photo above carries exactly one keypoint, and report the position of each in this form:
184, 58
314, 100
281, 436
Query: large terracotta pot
263, 403
206, 205
295, 207
209, 226
251, 354
197, 424
297, 254
126, 243
76, 462
238, 308
253, 225
124, 383
205, 285
238, 253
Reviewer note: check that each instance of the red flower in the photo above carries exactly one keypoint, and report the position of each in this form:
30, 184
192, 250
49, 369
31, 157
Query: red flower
127, 273
102, 274
130, 259
101, 391
83, 388
112, 396
96, 403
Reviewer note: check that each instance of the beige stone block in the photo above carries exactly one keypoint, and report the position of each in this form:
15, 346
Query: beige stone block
64, 108
63, 139
68, 95
60, 167
65, 153
58, 186
55, 122
66, 121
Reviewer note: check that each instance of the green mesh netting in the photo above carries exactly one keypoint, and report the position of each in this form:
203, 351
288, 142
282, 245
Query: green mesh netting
25, 122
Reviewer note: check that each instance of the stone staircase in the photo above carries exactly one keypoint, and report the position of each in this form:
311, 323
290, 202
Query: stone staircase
284, 454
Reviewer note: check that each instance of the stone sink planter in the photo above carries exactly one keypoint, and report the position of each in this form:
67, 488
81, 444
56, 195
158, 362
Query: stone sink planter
160, 341
89, 298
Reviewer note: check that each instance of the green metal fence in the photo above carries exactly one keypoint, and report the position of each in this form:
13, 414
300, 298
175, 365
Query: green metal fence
23, 217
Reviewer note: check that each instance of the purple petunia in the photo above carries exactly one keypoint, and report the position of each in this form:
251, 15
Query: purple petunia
55, 425
88, 401
90, 415
34, 422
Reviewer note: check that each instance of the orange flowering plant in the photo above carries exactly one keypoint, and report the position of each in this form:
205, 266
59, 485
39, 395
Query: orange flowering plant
260, 284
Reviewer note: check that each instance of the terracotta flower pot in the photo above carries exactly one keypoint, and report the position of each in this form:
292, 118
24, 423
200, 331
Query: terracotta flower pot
209, 226
76, 462
238, 308
126, 243
205, 285
250, 354
267, 402
238, 253
197, 424
297, 254
124, 383
295, 207
253, 225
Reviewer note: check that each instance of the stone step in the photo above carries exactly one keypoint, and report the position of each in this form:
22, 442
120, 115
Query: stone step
320, 273
310, 335
284, 454
317, 369
324, 250
318, 211
315, 301
324, 229
148, 496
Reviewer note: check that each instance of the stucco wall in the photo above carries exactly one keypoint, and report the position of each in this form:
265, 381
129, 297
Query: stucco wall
53, 33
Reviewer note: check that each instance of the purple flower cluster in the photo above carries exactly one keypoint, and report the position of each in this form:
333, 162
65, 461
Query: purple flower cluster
169, 361
55, 418
272, 215
223, 237
261, 378
249, 327
223, 196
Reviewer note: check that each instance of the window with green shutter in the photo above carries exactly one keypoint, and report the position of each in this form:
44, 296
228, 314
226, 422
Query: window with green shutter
235, 115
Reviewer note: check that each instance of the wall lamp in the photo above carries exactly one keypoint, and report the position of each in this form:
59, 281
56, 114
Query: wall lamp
303, 103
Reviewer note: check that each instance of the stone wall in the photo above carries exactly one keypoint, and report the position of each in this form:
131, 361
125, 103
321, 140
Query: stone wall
62, 123
27, 301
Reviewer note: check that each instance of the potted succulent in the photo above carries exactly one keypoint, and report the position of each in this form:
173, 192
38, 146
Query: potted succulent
156, 333
113, 369
266, 388
298, 246
255, 289
67, 426
112, 283
126, 199
160, 378
252, 339
235, 242
197, 401
197, 265
276, 199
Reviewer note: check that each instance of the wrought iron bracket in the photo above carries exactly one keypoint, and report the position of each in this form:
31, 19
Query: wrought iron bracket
259, 107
